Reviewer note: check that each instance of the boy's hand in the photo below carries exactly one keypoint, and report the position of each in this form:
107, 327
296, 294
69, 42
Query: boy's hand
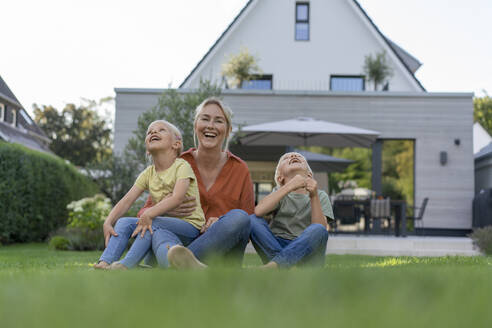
144, 223
108, 231
297, 182
312, 187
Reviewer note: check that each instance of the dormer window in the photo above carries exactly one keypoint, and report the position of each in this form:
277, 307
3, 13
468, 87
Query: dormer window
258, 82
347, 83
2, 112
302, 21
14, 118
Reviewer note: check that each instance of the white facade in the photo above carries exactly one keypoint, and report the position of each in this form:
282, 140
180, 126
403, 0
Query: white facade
341, 35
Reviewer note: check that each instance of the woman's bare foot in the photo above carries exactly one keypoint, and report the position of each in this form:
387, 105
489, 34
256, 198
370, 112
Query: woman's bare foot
101, 265
117, 266
180, 257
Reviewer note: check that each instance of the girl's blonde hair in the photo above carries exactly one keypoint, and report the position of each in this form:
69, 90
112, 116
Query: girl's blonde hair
225, 110
277, 173
175, 131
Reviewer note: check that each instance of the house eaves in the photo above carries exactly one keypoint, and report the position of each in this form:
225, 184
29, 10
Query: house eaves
399, 54
221, 37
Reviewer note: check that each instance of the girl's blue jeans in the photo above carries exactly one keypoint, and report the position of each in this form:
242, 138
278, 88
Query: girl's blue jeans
167, 232
226, 238
308, 248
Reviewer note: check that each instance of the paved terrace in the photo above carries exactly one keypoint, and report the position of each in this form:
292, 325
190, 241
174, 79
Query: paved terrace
397, 246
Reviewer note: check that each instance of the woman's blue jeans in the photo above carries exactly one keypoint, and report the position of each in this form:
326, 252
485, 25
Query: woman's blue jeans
308, 248
167, 232
226, 238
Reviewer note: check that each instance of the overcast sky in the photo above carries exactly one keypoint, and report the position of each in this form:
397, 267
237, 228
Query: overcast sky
57, 51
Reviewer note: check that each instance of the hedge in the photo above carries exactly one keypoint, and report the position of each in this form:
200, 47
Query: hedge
35, 189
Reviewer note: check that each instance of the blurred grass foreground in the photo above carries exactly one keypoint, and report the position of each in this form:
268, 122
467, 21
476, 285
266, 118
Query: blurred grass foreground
44, 288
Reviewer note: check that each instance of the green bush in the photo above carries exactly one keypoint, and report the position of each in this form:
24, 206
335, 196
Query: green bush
35, 189
89, 212
482, 238
59, 243
81, 238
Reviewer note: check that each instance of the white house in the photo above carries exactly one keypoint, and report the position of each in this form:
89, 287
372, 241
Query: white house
311, 54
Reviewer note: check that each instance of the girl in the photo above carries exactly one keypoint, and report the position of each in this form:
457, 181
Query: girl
297, 232
169, 181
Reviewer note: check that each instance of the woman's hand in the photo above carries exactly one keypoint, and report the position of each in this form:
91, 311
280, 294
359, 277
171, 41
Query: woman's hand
185, 209
144, 223
208, 224
108, 231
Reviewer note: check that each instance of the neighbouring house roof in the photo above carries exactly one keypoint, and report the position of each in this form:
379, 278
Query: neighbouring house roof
409, 62
7, 94
484, 152
27, 132
481, 137
23, 137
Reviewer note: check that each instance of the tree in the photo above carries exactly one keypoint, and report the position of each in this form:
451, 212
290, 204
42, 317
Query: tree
377, 68
240, 67
77, 134
177, 108
482, 112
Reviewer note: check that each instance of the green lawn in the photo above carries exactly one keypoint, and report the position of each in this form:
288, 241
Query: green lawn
44, 288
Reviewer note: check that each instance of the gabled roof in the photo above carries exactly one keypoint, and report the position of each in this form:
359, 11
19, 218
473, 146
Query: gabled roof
7, 94
410, 63
23, 137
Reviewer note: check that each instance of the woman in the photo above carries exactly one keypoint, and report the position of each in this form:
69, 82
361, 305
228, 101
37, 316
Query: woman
226, 196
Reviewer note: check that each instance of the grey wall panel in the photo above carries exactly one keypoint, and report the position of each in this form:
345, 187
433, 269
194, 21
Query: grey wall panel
433, 120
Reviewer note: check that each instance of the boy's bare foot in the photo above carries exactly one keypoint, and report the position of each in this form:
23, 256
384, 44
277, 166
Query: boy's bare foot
101, 265
117, 266
180, 257
269, 265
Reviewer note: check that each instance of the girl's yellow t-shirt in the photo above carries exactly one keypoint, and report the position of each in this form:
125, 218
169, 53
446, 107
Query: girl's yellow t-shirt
161, 184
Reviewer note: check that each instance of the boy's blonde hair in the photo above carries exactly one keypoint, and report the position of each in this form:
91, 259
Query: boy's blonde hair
225, 110
175, 131
280, 160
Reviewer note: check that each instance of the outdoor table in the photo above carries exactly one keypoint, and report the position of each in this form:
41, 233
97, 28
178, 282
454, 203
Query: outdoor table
398, 207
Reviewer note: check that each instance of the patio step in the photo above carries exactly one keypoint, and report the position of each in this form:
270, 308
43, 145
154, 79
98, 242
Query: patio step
397, 246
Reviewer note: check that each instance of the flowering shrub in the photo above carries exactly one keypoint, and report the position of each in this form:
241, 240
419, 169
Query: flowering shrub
89, 212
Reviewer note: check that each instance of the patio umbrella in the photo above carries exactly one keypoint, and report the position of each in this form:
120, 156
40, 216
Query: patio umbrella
306, 131
317, 162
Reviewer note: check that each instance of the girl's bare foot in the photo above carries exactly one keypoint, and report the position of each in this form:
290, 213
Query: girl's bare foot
101, 265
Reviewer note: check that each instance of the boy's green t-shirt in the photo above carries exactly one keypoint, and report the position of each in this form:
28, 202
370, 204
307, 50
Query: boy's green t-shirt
161, 184
293, 214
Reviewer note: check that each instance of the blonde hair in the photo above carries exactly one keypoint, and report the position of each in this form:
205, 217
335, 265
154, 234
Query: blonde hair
175, 131
225, 110
277, 173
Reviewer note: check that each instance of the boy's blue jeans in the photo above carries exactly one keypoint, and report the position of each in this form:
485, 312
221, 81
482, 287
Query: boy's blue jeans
308, 248
167, 232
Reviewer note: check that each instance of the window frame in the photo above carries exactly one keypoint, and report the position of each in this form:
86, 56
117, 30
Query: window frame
2, 112
14, 117
307, 21
363, 77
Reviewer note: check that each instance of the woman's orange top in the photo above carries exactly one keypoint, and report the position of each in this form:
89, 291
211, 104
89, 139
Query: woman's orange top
233, 188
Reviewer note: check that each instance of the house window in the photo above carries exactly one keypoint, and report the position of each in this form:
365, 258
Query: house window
26, 117
347, 83
259, 82
14, 117
2, 112
261, 190
302, 21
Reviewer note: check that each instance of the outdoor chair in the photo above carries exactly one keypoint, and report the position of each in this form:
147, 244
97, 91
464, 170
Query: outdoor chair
420, 216
380, 210
346, 213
